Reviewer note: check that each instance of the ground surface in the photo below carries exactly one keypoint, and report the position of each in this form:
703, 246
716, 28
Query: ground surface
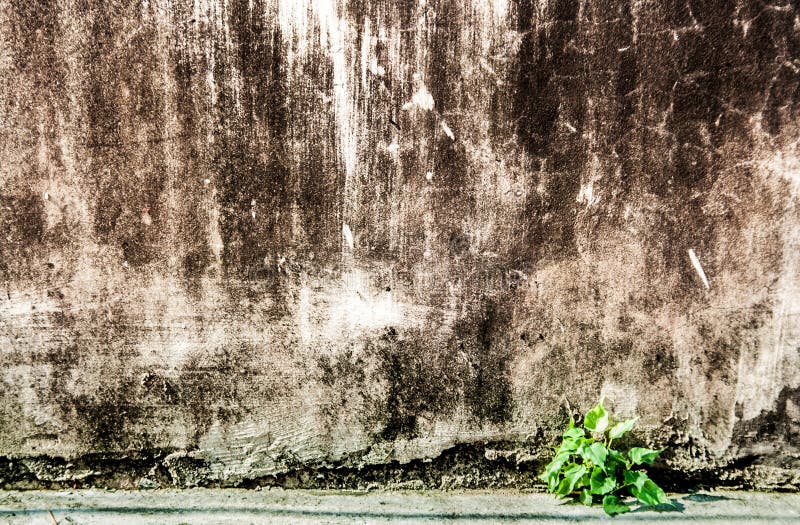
282, 506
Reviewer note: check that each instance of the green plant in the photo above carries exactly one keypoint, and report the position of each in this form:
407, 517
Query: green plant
588, 470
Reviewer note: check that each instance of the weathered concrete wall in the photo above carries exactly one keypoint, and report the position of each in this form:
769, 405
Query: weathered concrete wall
266, 235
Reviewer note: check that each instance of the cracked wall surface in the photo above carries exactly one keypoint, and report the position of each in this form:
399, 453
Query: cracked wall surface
241, 239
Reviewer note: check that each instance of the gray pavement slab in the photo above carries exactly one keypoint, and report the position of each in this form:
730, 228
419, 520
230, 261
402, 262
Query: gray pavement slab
231, 506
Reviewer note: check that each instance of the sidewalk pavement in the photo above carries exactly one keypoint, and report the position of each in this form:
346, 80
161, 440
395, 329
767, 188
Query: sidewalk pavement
277, 506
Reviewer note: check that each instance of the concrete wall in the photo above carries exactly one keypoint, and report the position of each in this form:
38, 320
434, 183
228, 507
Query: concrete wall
257, 236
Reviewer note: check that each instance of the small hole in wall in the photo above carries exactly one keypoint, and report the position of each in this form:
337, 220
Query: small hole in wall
524, 336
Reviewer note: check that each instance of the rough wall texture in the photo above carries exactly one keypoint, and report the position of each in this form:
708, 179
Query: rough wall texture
241, 239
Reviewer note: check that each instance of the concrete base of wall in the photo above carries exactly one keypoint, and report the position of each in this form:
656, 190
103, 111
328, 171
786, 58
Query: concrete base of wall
299, 507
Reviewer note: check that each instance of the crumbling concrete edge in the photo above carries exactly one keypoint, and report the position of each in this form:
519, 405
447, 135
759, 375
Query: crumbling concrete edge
487, 465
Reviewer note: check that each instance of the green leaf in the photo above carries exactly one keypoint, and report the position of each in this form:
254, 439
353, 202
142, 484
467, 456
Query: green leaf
613, 506
571, 477
643, 455
563, 488
552, 483
568, 446
586, 498
618, 430
602, 483
554, 466
615, 457
596, 453
650, 494
551, 471
596, 419
584, 481
635, 478
552, 479
574, 474
574, 432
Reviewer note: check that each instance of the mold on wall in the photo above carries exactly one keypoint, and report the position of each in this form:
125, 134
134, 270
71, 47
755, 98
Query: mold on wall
248, 240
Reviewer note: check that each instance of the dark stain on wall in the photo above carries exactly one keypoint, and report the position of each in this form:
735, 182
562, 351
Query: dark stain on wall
445, 49
204, 391
126, 173
317, 174
423, 380
546, 58
36, 27
22, 224
470, 366
192, 116
255, 191
103, 413
418, 383
545, 88
104, 416
483, 336
780, 427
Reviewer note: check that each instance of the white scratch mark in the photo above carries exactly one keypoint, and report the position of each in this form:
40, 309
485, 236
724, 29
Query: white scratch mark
376, 69
448, 131
422, 99
570, 127
698, 268
586, 195
366, 39
303, 314
347, 233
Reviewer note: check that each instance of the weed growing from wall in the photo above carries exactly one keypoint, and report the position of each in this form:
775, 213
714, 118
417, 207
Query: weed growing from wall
588, 470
